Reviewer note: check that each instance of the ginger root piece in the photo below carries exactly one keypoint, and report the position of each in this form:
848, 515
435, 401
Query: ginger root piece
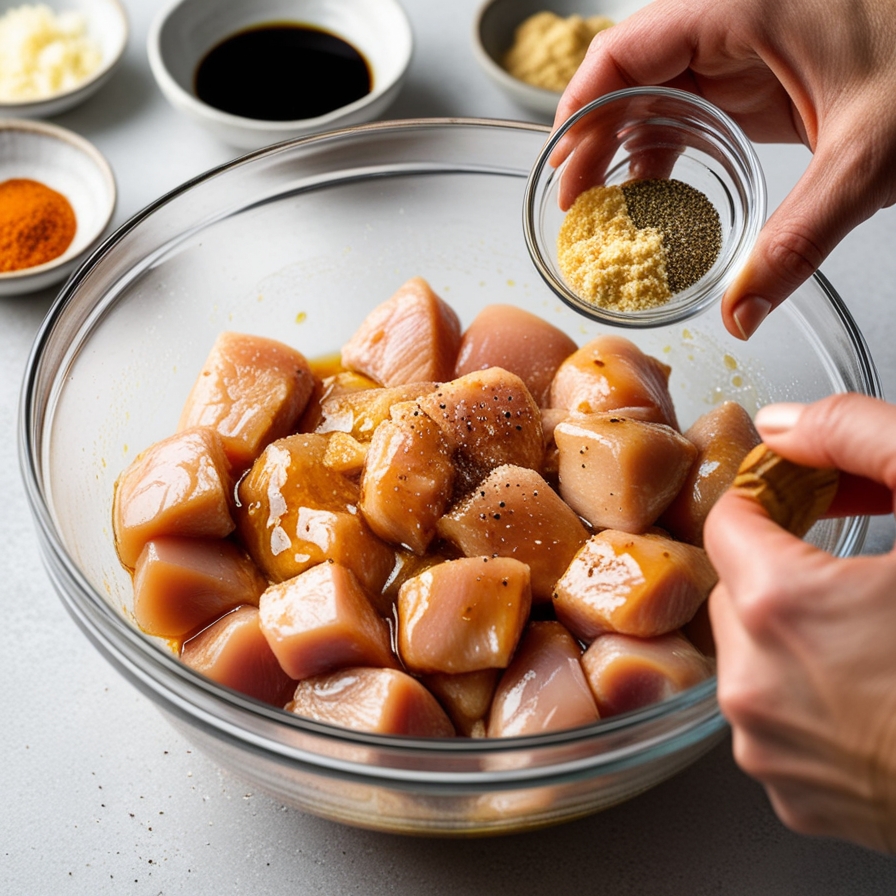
793, 495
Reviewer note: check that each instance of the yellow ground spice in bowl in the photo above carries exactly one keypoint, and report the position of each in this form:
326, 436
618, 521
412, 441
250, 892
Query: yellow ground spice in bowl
633, 246
547, 48
37, 224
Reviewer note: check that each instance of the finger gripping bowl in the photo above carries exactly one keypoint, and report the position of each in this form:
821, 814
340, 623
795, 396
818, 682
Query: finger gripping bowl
648, 133
298, 242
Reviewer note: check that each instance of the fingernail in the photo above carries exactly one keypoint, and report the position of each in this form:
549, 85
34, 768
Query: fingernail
776, 418
749, 313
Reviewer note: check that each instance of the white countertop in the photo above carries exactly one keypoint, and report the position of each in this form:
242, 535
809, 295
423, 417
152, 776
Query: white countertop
99, 795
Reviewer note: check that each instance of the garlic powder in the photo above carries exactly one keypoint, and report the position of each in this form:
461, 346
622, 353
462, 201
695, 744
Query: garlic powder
42, 53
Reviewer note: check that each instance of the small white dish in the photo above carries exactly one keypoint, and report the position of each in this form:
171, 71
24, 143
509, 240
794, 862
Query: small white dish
73, 167
107, 25
184, 31
496, 22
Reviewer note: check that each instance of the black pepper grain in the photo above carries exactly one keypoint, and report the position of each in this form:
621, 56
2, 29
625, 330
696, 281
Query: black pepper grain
688, 222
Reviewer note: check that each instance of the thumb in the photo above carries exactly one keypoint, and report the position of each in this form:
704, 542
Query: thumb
853, 433
820, 210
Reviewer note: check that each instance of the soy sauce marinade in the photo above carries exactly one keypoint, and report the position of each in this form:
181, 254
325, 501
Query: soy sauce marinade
282, 72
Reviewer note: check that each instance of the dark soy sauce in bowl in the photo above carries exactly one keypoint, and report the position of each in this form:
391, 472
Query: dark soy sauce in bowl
282, 72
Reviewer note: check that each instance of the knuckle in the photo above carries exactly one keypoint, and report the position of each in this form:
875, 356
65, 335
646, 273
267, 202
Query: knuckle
749, 755
763, 610
795, 256
797, 815
739, 701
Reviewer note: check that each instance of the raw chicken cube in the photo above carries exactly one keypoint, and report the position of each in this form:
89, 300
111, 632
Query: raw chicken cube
489, 419
627, 673
360, 413
609, 373
345, 454
322, 620
179, 486
251, 391
330, 385
514, 513
544, 688
380, 701
641, 585
233, 652
182, 584
466, 698
408, 478
411, 337
463, 615
516, 340
295, 512
619, 472
723, 437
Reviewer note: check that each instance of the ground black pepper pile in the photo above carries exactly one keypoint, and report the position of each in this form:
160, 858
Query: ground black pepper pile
686, 219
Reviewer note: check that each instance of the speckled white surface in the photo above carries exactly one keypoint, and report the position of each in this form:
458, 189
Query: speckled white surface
99, 795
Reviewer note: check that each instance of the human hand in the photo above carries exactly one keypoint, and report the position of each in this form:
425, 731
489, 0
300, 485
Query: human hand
805, 641
820, 72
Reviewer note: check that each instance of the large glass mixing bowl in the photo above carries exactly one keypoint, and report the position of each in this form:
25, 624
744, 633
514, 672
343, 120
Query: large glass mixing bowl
298, 242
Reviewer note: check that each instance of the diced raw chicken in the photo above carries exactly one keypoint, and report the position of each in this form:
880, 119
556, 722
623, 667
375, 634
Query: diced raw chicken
723, 437
465, 697
550, 462
360, 413
641, 585
626, 673
251, 391
513, 512
407, 565
345, 454
295, 512
179, 486
380, 701
463, 615
489, 419
544, 688
699, 631
517, 340
411, 337
182, 584
408, 478
322, 620
329, 385
609, 373
233, 652
620, 472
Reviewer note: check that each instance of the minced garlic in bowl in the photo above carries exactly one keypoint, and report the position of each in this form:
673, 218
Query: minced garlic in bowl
43, 53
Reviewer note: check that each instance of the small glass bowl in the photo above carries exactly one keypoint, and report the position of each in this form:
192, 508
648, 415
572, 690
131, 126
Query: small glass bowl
648, 132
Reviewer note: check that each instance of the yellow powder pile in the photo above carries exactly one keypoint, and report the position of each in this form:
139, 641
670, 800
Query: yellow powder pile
547, 48
42, 53
605, 259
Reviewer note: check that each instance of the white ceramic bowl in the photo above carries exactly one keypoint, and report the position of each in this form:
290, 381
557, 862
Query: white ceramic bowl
107, 25
185, 30
493, 31
70, 165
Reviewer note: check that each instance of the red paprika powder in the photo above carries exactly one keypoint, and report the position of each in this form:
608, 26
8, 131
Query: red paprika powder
37, 224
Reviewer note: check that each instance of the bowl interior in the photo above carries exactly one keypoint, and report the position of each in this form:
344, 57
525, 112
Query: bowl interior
298, 245
379, 30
